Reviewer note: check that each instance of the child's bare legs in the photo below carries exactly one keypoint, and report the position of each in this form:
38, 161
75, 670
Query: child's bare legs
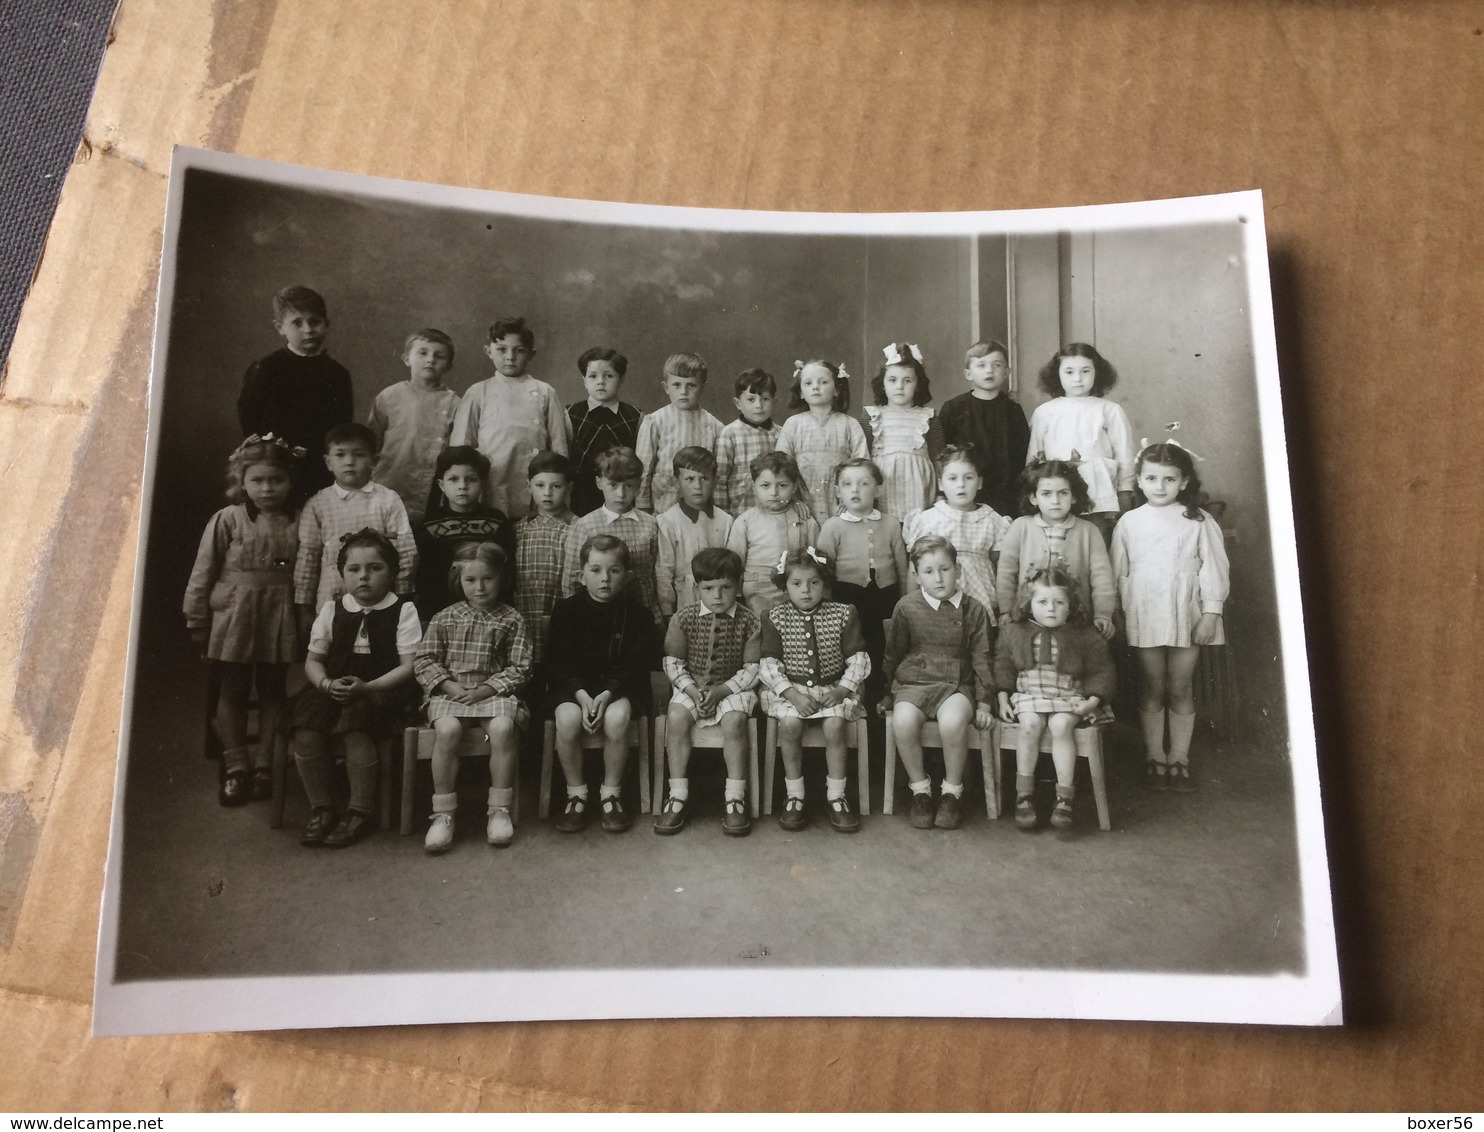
678, 726
1027, 751
906, 724
842, 817
734, 725
1062, 724
1168, 678
954, 716
615, 757
568, 721
791, 748
504, 742
448, 732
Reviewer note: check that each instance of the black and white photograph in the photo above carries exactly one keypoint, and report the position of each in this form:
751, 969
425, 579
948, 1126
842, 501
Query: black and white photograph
560, 609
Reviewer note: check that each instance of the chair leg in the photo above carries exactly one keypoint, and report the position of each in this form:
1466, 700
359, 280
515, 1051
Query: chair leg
280, 778
548, 753
889, 776
770, 755
641, 756
409, 776
384, 750
1090, 744
754, 786
863, 765
989, 757
661, 757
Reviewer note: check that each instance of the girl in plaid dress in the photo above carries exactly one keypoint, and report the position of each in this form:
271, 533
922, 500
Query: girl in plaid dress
821, 433
1172, 575
975, 529
474, 659
813, 664
1054, 674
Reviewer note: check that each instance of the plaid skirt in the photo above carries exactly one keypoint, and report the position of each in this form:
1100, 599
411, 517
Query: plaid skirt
779, 708
1044, 689
737, 701
496, 707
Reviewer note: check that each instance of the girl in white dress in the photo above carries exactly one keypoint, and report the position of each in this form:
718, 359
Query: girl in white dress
1078, 424
903, 432
822, 435
975, 529
1173, 579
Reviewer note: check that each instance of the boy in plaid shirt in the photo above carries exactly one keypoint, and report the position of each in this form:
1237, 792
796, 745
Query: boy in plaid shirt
540, 543
746, 438
618, 479
351, 503
680, 424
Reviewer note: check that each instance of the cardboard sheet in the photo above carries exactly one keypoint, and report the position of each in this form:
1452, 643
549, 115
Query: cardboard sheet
1369, 161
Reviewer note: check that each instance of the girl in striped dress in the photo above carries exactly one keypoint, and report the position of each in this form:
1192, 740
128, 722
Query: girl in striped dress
474, 660
975, 529
903, 433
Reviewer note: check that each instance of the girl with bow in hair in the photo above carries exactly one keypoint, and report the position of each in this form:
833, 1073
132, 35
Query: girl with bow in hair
239, 605
821, 434
904, 434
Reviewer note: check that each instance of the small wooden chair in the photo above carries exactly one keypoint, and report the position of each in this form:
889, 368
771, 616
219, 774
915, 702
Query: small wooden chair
417, 746
281, 775
984, 742
855, 739
1089, 747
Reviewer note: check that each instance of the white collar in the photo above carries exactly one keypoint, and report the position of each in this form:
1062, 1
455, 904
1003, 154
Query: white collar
614, 516
351, 605
849, 518
956, 600
707, 611
609, 405
347, 492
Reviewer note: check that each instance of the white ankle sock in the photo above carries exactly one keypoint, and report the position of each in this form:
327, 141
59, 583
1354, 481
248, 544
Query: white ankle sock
923, 787
501, 797
834, 788
736, 789
578, 791
445, 803
680, 789
954, 788
794, 786
606, 792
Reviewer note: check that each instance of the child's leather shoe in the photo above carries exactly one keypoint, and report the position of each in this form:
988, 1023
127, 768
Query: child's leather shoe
616, 819
672, 818
842, 817
793, 818
736, 823
1025, 812
235, 789
921, 814
321, 822
262, 784
950, 812
1179, 778
1061, 814
500, 831
574, 817
355, 826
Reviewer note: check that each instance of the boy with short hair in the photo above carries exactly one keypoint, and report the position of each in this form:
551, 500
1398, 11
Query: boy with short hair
992, 425
680, 424
600, 422
510, 417
693, 524
298, 392
618, 479
602, 650
411, 420
711, 657
745, 439
352, 502
541, 543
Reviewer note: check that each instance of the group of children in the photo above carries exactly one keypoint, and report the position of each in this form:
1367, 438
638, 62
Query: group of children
813, 567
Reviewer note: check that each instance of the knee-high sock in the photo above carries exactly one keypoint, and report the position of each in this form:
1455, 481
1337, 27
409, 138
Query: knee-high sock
1153, 724
1182, 727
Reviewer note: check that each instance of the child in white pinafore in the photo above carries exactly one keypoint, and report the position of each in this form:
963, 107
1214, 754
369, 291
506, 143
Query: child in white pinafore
1173, 578
903, 433
1080, 425
239, 604
821, 434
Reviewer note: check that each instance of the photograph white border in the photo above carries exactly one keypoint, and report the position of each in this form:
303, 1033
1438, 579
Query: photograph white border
1312, 998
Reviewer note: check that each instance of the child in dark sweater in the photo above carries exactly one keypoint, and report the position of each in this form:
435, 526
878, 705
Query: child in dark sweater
990, 425
456, 518
298, 392
600, 651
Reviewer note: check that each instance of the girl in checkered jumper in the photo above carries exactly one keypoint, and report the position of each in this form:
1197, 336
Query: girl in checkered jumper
1054, 675
475, 658
814, 662
821, 433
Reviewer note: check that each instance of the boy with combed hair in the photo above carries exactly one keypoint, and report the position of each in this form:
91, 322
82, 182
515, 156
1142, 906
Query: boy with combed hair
692, 525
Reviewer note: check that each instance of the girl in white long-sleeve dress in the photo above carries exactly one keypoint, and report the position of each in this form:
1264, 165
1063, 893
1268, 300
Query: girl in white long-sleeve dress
1081, 425
1173, 579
